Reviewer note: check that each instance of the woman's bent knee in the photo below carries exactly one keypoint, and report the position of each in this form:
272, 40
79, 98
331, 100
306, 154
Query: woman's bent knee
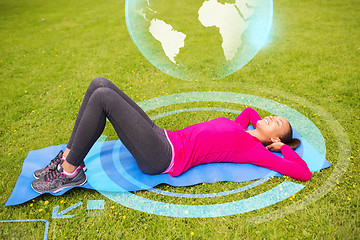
99, 82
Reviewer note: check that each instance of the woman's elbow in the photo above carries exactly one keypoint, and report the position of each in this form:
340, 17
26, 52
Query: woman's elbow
306, 177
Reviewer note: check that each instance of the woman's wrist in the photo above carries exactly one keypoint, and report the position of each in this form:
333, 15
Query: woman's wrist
282, 145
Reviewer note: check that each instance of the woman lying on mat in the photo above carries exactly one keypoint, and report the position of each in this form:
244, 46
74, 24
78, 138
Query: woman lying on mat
159, 151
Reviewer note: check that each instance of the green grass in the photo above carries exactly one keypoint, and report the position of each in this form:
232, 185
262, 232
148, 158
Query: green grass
51, 50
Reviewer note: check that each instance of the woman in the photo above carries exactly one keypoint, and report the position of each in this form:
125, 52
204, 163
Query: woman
159, 151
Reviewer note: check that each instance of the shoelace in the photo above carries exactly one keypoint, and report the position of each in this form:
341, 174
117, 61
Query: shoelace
53, 174
53, 162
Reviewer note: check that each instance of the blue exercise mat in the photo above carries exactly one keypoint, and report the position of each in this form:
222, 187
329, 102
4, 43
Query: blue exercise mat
112, 168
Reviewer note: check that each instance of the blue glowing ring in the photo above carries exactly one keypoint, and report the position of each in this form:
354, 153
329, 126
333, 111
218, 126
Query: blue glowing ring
302, 124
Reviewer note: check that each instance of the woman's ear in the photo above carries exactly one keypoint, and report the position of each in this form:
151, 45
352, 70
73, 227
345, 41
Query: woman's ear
275, 140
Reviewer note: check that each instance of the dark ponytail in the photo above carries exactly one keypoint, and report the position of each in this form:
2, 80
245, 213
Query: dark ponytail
294, 143
288, 140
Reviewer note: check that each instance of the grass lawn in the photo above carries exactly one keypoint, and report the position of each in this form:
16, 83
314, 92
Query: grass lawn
51, 50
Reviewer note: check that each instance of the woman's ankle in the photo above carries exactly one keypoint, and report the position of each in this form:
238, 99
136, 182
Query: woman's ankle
66, 152
68, 167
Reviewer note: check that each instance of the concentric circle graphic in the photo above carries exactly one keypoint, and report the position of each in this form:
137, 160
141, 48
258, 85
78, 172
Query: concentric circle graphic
302, 124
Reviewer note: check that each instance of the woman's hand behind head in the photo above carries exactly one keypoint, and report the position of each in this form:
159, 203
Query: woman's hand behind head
275, 147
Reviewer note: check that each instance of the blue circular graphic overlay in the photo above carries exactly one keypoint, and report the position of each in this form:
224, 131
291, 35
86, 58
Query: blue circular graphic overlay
306, 129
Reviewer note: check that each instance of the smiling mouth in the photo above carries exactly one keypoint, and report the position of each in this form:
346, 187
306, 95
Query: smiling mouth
266, 121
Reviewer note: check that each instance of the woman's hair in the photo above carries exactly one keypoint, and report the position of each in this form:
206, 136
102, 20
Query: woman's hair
289, 140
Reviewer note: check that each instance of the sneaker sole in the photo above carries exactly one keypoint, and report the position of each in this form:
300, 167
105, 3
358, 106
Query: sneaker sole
62, 188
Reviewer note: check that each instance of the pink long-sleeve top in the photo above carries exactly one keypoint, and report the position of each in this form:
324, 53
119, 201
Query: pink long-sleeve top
225, 140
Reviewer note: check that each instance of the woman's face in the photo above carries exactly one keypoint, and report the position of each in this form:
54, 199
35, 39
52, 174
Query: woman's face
273, 127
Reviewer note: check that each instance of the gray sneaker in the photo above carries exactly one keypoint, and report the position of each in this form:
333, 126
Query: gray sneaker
56, 180
52, 165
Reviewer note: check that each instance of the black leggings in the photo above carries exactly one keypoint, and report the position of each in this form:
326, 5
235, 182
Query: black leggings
141, 136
